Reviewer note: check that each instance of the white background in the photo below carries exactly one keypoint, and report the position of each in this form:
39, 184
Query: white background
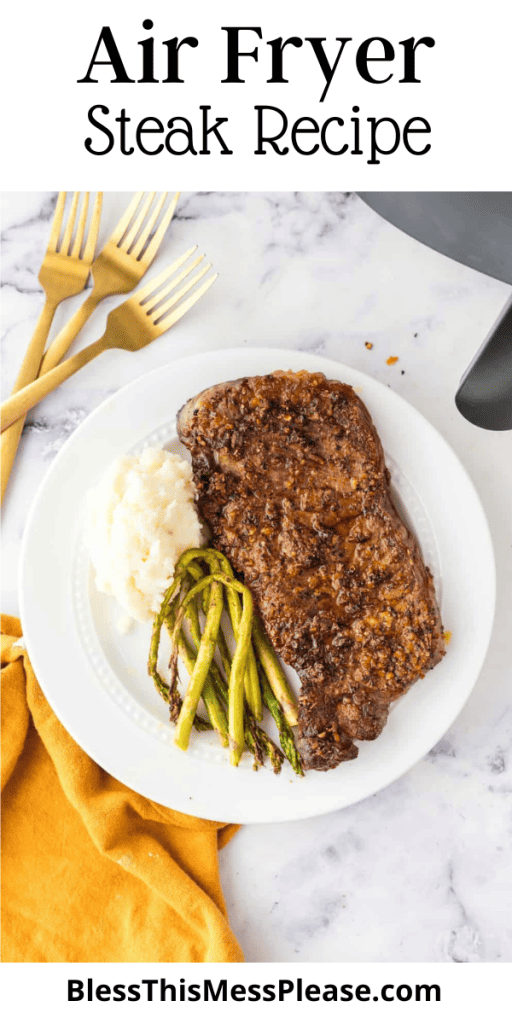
464, 93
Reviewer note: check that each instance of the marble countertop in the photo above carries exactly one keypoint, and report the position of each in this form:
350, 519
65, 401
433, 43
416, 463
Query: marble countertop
422, 870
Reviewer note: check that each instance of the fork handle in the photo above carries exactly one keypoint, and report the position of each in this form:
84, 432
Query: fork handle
67, 335
19, 404
27, 373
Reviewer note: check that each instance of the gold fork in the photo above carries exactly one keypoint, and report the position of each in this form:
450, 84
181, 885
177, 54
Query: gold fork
120, 265
64, 272
131, 326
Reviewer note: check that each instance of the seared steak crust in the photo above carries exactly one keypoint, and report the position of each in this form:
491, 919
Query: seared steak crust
291, 480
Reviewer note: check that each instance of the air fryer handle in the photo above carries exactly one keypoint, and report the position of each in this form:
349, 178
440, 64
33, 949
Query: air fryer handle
484, 396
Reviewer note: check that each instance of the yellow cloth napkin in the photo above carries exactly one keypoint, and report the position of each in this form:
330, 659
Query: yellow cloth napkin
93, 872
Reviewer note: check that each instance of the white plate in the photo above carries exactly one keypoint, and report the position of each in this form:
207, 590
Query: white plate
95, 679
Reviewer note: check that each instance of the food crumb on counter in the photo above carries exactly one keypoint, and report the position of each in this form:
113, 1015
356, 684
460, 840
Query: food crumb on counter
402, 372
447, 636
391, 360
368, 344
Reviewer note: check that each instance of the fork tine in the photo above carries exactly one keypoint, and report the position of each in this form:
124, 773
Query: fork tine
154, 244
81, 227
70, 225
94, 227
156, 314
130, 238
144, 293
154, 301
149, 226
57, 222
176, 314
121, 226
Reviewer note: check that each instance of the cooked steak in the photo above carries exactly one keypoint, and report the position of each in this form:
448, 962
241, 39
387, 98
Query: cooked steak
291, 480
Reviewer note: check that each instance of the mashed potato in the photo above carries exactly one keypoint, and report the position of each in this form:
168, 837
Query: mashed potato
140, 519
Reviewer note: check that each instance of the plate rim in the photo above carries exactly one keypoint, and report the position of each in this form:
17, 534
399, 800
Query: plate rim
322, 364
